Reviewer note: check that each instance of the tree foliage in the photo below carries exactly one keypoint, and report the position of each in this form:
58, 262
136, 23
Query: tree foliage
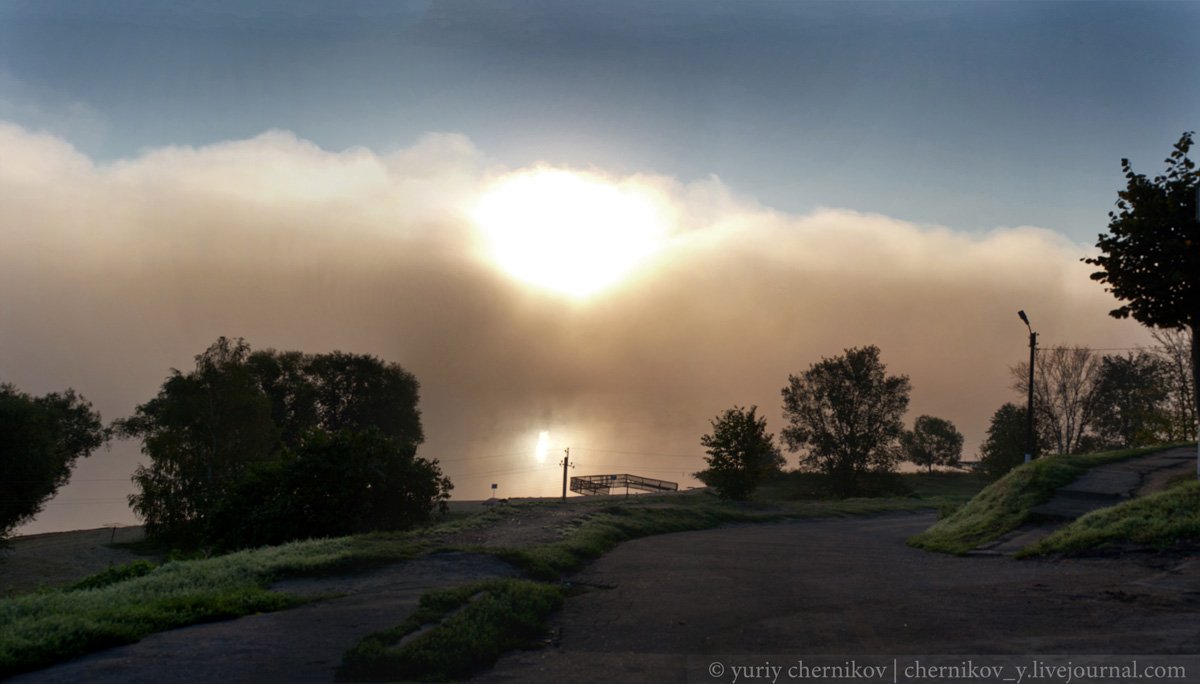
1004, 447
845, 415
1150, 257
741, 453
40, 440
332, 484
202, 431
1131, 401
241, 423
932, 441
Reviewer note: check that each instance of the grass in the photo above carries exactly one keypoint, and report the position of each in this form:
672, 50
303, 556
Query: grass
1158, 521
115, 574
121, 606
1006, 504
456, 631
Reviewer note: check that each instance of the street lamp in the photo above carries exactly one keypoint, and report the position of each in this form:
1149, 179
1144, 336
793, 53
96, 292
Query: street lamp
1030, 444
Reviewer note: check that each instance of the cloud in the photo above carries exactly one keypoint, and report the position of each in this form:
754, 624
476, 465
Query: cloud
111, 274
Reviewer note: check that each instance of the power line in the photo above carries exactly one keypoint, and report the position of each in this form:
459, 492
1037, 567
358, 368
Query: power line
638, 453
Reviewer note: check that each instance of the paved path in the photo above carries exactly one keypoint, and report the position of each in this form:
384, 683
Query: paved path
849, 587
304, 644
1101, 487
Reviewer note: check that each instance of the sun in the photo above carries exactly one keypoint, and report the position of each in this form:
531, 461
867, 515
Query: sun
543, 446
570, 232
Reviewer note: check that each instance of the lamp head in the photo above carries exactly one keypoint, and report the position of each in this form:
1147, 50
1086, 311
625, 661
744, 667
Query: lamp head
1024, 318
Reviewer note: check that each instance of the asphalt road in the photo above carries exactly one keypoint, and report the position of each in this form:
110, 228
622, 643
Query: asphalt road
848, 588
677, 603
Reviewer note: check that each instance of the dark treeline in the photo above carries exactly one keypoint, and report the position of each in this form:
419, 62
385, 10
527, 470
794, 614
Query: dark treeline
258, 447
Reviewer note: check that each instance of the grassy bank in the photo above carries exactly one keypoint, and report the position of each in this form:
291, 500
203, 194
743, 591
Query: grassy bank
1006, 504
121, 606
1159, 521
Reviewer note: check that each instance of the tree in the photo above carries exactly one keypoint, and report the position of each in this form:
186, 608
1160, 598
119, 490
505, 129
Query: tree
333, 484
932, 441
1004, 448
741, 453
202, 431
1131, 400
1175, 351
227, 428
40, 440
337, 391
1064, 402
844, 414
1150, 257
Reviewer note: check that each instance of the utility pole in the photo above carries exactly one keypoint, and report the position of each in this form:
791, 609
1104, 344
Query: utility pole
1030, 435
566, 463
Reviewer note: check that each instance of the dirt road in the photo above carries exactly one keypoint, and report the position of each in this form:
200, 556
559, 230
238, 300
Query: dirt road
847, 587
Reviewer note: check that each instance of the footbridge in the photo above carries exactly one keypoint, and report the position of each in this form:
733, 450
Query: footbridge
592, 485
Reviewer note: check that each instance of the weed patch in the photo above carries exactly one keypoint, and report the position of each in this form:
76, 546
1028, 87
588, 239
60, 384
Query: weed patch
1159, 521
464, 628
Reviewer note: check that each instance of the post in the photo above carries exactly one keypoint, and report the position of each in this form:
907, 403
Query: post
1030, 437
566, 464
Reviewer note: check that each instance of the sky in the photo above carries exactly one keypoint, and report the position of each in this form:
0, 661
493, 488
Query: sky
607, 220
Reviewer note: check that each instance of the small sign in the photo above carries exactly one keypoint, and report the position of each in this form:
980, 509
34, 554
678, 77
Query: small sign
493, 486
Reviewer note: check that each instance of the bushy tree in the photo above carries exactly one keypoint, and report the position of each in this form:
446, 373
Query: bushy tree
1150, 259
1131, 401
241, 422
1004, 448
741, 453
333, 484
40, 440
202, 431
844, 415
932, 441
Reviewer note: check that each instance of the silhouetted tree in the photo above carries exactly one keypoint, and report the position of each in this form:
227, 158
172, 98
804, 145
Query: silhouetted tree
1064, 399
932, 441
1131, 401
241, 422
741, 453
1175, 350
333, 484
338, 391
201, 432
1004, 448
844, 415
1150, 257
40, 440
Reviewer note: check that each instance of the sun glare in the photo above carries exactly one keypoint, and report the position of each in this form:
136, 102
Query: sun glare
569, 232
543, 446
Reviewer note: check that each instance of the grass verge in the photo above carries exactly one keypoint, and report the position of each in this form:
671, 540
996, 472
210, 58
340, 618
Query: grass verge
1159, 521
122, 605
1005, 505
455, 631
